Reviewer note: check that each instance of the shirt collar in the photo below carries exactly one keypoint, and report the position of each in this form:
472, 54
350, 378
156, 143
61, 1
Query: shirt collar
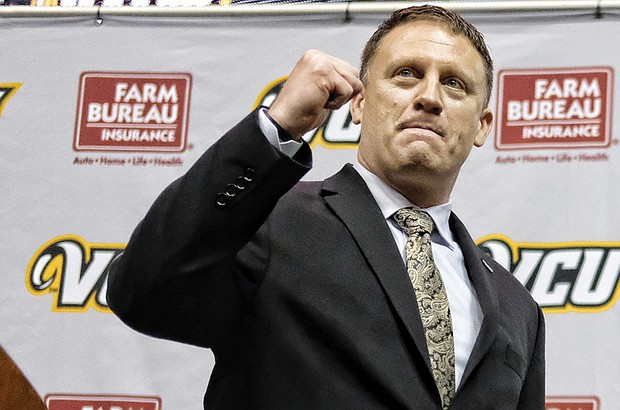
390, 201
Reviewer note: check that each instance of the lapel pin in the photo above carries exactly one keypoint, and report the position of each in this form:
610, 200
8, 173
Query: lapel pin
487, 265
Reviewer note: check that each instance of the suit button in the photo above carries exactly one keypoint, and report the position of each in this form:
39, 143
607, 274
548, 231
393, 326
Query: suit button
249, 174
221, 199
231, 190
241, 183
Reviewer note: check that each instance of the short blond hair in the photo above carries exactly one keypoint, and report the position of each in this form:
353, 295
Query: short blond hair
455, 22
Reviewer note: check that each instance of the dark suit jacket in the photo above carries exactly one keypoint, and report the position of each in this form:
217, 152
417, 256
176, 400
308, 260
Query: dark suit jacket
301, 293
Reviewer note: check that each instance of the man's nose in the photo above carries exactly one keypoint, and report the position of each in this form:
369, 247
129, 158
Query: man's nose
428, 96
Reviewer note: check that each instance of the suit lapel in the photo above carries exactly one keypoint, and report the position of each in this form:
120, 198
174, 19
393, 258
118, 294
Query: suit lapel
481, 276
349, 198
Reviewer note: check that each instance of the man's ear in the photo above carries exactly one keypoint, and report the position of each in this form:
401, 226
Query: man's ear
486, 121
356, 106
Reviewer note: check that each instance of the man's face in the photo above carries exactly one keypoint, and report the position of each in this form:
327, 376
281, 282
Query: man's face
422, 109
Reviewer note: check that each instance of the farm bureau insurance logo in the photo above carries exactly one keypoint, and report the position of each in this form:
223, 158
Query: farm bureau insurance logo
572, 403
132, 112
554, 108
562, 277
74, 271
97, 402
7, 90
338, 130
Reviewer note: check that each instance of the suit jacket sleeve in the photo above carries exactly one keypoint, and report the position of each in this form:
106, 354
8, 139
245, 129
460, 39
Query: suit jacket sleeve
177, 277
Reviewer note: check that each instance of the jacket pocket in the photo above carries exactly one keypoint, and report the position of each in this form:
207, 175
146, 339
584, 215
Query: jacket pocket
515, 361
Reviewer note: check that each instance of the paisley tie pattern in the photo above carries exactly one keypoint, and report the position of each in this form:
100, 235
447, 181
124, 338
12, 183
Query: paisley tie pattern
432, 298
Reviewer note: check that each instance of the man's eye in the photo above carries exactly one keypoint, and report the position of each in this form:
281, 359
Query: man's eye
454, 83
405, 72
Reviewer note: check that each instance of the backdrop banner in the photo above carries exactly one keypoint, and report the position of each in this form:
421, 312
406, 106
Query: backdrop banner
96, 119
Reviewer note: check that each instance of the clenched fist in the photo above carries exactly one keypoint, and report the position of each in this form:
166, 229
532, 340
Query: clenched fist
318, 83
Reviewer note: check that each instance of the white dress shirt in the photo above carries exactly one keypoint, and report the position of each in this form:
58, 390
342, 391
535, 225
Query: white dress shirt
464, 308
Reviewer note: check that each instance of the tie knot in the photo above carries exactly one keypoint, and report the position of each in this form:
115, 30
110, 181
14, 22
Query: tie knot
414, 221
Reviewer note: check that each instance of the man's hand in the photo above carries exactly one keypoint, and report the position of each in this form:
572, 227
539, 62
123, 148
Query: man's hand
318, 83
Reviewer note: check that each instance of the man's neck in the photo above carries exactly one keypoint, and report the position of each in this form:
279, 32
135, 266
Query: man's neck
421, 191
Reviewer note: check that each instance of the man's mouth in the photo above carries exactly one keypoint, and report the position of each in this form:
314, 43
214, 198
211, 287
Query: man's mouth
421, 126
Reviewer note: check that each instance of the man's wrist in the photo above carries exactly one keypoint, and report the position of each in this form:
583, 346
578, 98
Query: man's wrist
283, 135
280, 140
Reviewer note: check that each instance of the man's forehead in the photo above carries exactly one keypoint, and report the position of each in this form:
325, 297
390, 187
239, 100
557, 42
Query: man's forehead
423, 26
426, 34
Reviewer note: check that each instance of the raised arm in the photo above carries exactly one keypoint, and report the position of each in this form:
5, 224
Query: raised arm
178, 278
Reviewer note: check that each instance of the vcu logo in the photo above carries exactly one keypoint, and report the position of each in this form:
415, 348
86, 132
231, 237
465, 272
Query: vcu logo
562, 277
74, 271
7, 90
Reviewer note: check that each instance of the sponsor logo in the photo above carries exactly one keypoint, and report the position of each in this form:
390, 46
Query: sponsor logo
554, 108
95, 402
132, 112
562, 277
74, 271
338, 130
7, 90
572, 403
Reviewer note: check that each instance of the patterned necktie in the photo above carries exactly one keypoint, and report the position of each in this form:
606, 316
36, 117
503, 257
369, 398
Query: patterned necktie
432, 298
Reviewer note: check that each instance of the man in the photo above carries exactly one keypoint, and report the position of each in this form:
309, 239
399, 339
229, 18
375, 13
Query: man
323, 295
